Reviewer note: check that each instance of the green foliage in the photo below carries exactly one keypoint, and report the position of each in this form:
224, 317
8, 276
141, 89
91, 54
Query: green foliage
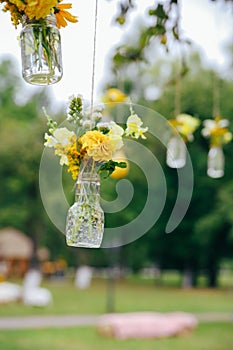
205, 236
164, 19
124, 8
108, 168
21, 147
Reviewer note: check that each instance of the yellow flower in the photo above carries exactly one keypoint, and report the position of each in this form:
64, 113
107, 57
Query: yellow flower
120, 173
19, 4
227, 137
63, 16
74, 160
185, 125
35, 9
114, 95
217, 130
16, 16
134, 129
97, 145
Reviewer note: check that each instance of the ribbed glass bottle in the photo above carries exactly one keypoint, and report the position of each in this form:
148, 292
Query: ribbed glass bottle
215, 162
85, 219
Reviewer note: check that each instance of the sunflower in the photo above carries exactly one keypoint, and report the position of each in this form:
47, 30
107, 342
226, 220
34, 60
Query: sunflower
35, 9
63, 16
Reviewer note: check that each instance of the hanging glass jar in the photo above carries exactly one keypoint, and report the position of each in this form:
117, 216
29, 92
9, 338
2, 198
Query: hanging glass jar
85, 219
41, 51
215, 162
176, 152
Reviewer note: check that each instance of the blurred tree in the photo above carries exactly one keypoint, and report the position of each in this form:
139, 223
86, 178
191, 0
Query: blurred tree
204, 237
21, 132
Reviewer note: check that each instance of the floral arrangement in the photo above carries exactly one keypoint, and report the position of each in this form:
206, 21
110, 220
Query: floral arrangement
38, 9
186, 125
217, 131
91, 138
40, 38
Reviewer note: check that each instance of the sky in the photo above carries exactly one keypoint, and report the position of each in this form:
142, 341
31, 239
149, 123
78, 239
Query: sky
205, 23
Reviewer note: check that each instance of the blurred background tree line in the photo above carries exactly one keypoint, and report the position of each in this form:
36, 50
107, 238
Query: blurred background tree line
204, 239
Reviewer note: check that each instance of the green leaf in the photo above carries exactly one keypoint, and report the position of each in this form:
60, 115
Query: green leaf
108, 168
159, 12
175, 32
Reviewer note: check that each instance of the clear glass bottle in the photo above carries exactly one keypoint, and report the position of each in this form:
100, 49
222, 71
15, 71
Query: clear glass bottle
85, 219
176, 152
41, 51
215, 162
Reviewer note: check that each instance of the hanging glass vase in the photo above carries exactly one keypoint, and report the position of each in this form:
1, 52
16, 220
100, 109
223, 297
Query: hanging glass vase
215, 162
176, 152
85, 219
41, 51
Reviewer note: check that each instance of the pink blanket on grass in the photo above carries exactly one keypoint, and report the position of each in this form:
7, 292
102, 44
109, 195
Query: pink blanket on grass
146, 324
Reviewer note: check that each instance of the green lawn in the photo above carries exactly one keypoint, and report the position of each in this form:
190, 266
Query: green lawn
129, 296
214, 336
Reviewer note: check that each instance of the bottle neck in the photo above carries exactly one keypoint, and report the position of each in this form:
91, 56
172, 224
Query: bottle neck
87, 187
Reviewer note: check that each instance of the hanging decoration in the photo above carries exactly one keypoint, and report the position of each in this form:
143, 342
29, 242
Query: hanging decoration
88, 152
184, 125
40, 37
217, 131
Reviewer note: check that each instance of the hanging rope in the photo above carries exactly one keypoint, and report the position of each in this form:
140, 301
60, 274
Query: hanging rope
216, 97
177, 95
94, 58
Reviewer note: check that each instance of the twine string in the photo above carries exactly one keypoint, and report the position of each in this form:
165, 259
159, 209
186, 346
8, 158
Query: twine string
94, 58
216, 97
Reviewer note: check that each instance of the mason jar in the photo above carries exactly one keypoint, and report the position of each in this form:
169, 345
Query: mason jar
41, 51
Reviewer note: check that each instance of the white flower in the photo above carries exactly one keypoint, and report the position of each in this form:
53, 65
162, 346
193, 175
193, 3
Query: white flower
115, 129
134, 127
209, 126
99, 108
96, 116
87, 124
115, 135
223, 123
50, 140
217, 130
64, 160
64, 137
103, 125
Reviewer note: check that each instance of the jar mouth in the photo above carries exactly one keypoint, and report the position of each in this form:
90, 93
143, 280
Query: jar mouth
48, 20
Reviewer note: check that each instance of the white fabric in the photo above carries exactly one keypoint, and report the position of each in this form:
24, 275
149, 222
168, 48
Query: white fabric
9, 292
33, 294
83, 277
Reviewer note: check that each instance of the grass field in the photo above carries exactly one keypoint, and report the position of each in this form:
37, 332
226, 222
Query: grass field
128, 296
210, 336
